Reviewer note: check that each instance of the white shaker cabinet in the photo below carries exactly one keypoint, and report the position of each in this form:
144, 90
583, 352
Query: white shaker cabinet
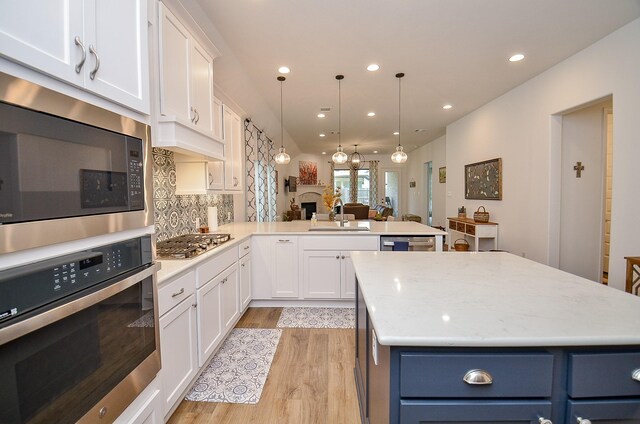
98, 45
229, 297
274, 261
208, 318
233, 146
245, 274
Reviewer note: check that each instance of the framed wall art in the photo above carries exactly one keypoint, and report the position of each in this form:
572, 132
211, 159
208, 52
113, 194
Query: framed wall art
442, 174
483, 180
308, 173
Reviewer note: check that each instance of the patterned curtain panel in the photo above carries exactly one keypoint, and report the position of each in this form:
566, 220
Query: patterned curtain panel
261, 174
373, 183
353, 185
332, 167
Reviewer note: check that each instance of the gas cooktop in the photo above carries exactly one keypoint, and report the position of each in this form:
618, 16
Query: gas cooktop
189, 245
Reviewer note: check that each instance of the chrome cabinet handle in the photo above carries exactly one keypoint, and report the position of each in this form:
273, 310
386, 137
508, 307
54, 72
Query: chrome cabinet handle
92, 74
246, 247
337, 256
178, 293
80, 64
581, 420
343, 256
477, 377
284, 241
210, 178
543, 420
193, 118
636, 374
235, 181
194, 304
243, 265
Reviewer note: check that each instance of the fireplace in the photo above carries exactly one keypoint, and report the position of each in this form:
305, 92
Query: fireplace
310, 208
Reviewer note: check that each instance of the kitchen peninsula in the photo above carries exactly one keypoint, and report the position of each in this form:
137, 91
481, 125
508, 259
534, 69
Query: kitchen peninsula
491, 337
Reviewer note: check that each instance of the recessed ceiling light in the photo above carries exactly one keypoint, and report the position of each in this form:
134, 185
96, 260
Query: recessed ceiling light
324, 153
375, 151
516, 57
321, 115
373, 67
284, 70
371, 114
396, 133
447, 107
321, 135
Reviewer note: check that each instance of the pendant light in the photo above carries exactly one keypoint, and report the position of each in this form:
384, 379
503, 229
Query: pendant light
399, 156
356, 160
339, 157
282, 158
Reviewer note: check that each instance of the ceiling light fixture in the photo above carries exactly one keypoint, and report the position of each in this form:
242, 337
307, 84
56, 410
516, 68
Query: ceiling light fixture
373, 67
516, 57
322, 135
396, 133
339, 156
375, 151
371, 114
321, 115
447, 107
284, 70
282, 158
356, 160
399, 156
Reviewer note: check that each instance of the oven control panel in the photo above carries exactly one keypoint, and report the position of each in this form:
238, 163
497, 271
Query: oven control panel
25, 289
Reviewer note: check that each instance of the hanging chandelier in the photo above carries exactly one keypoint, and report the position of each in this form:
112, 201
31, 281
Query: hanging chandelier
282, 158
356, 160
399, 156
339, 156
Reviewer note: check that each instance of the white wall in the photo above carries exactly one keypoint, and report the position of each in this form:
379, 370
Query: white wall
416, 199
520, 127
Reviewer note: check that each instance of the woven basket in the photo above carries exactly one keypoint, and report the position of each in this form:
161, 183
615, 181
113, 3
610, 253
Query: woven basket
479, 216
461, 245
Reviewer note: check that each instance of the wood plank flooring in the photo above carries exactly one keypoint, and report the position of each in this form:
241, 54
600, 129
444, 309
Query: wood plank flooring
310, 382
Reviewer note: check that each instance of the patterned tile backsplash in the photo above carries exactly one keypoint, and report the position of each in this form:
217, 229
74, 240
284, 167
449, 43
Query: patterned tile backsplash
176, 215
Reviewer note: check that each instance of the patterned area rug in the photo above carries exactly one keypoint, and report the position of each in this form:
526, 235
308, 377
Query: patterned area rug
317, 318
238, 371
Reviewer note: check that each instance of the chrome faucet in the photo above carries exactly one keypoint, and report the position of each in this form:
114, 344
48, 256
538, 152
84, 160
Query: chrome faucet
333, 205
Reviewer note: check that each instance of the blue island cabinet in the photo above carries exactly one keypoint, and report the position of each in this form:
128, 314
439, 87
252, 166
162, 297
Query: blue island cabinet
535, 385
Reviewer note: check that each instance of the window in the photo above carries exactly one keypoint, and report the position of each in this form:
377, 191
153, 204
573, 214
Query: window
342, 181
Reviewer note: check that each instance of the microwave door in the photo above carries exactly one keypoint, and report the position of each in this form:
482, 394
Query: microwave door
10, 206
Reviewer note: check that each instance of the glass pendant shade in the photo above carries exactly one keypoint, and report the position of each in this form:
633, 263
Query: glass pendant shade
399, 156
282, 158
339, 157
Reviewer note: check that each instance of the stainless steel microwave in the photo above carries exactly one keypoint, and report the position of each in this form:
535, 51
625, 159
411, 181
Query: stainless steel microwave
68, 169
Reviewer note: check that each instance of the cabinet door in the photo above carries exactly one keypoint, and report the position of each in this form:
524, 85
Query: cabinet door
245, 282
179, 350
284, 276
232, 150
209, 322
455, 411
215, 175
229, 297
348, 287
116, 30
201, 86
321, 274
174, 67
218, 123
619, 411
41, 34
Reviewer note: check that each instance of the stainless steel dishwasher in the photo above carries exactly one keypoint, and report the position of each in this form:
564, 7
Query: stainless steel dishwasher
408, 243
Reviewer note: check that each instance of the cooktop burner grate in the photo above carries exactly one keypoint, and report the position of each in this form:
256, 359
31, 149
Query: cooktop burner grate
189, 245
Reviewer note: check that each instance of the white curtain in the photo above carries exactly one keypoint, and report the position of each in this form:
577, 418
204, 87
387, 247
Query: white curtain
261, 174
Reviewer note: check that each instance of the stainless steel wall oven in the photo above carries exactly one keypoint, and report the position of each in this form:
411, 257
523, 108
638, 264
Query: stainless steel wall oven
78, 334
68, 170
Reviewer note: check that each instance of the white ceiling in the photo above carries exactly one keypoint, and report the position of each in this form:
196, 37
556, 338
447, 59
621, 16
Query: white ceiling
452, 51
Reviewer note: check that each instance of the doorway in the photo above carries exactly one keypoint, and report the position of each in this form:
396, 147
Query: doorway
428, 173
391, 193
583, 182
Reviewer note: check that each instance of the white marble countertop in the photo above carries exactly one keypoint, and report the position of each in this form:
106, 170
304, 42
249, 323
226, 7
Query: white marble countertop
489, 299
240, 231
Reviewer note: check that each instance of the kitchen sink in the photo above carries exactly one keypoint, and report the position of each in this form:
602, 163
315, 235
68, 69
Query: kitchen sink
336, 228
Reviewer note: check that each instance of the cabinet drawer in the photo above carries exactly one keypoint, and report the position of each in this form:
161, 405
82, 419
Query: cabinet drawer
618, 409
440, 375
470, 229
484, 411
174, 292
245, 247
452, 225
342, 243
216, 265
460, 226
603, 374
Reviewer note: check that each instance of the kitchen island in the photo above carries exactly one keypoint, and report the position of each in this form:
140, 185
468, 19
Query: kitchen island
491, 337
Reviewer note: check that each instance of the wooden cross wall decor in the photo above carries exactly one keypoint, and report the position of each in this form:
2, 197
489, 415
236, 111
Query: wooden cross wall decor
578, 168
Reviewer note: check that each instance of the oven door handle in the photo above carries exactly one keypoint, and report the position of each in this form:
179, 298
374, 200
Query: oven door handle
36, 322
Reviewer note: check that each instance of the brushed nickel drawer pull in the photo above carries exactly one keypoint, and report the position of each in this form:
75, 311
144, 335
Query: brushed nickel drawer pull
543, 420
178, 293
92, 74
478, 377
581, 420
636, 374
79, 65
284, 241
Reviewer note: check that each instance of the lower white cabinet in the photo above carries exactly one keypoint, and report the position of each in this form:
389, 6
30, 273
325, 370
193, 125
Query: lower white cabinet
328, 274
208, 319
284, 266
245, 281
146, 408
178, 350
229, 297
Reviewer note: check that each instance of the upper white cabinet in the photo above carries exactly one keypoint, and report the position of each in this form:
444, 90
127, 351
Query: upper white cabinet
232, 149
98, 45
186, 121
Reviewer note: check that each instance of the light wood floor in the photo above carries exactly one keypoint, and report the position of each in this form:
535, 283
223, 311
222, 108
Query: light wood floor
310, 382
